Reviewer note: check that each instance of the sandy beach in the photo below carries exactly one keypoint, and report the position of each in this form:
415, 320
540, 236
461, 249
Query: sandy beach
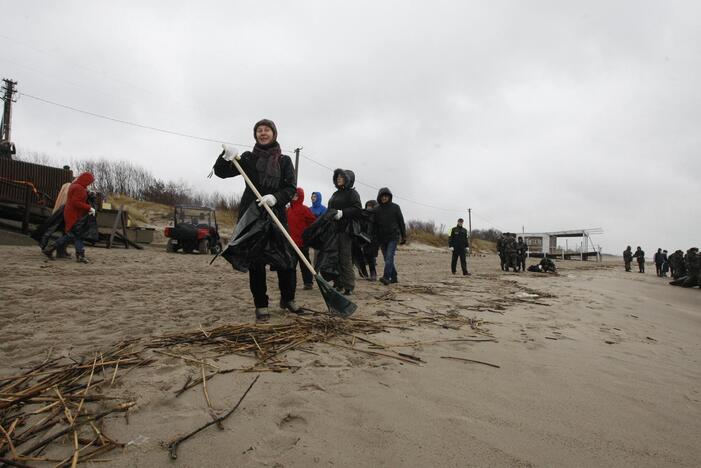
596, 366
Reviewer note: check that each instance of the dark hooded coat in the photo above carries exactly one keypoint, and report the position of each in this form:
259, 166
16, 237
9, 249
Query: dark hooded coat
389, 221
345, 199
284, 192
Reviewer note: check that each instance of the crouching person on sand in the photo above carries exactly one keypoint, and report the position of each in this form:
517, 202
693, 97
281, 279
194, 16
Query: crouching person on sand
273, 175
75, 208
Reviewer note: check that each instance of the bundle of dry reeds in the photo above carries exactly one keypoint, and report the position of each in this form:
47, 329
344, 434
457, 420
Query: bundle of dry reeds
270, 339
59, 404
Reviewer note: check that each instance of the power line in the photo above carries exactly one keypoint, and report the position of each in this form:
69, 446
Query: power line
214, 140
132, 124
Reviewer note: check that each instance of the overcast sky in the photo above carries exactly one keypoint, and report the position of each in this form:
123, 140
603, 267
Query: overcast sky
543, 115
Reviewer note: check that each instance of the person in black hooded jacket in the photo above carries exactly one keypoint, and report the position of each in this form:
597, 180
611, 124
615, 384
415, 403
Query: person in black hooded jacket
346, 201
389, 229
272, 173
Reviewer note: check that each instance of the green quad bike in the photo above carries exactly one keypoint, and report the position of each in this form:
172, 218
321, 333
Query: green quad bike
194, 228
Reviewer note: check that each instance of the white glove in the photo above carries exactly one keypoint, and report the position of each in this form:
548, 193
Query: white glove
467, 250
338, 215
92, 211
230, 152
451, 249
269, 200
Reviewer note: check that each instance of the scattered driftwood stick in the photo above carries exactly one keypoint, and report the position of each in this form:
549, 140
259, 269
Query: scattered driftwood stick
204, 389
471, 360
411, 356
173, 446
367, 351
185, 387
417, 343
114, 375
9, 462
43, 443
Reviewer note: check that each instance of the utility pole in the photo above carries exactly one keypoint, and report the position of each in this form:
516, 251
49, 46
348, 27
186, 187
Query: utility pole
469, 221
469, 225
9, 98
297, 150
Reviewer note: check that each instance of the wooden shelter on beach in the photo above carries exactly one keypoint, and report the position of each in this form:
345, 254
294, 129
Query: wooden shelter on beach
545, 244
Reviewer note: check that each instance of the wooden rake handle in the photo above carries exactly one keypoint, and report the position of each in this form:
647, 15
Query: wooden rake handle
272, 215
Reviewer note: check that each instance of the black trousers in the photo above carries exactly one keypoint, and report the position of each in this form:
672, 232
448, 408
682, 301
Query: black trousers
286, 280
627, 263
458, 253
658, 268
522, 262
641, 266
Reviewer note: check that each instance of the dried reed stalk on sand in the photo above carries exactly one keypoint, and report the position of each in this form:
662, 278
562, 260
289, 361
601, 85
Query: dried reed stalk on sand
52, 400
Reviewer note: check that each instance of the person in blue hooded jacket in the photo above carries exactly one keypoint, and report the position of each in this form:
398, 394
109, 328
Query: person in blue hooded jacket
317, 208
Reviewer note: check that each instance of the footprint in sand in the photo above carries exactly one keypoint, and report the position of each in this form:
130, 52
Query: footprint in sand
292, 422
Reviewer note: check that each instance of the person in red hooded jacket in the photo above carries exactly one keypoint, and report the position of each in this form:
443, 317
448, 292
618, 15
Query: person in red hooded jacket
76, 207
299, 218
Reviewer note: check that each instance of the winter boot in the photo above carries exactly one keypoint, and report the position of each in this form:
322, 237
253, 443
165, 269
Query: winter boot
262, 314
80, 257
49, 250
290, 306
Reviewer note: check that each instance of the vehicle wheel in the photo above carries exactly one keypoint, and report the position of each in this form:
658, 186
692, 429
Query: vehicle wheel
202, 246
170, 246
216, 249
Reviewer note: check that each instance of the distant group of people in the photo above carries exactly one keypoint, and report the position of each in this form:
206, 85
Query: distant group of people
628, 257
685, 269
512, 252
345, 233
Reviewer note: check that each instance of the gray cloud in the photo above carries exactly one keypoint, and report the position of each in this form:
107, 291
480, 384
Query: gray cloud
548, 115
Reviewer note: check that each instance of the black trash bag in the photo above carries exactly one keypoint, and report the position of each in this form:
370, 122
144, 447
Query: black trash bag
257, 240
86, 229
46, 230
322, 236
361, 232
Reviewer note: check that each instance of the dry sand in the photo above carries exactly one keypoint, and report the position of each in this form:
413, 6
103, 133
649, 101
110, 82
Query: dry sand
601, 368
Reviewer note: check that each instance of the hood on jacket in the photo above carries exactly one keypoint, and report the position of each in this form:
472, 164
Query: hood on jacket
317, 203
348, 174
384, 191
85, 179
300, 197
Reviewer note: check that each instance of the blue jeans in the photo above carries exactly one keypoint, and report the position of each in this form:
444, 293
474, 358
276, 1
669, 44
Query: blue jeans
388, 250
79, 246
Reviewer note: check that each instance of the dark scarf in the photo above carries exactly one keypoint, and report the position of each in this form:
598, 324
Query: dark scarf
268, 164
